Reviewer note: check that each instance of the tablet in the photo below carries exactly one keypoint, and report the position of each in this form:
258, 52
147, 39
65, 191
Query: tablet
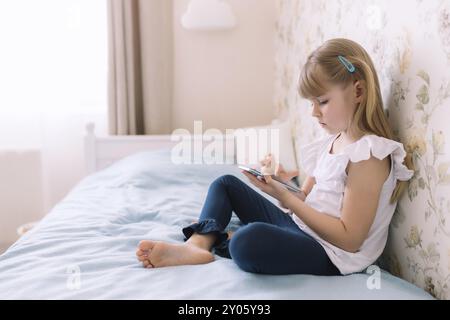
257, 173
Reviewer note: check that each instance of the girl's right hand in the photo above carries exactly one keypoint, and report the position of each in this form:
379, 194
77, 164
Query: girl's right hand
284, 175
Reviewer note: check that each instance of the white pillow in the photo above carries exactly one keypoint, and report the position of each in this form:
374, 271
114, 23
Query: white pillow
275, 138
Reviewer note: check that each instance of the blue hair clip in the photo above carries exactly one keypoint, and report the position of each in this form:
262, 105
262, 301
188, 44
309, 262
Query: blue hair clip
350, 67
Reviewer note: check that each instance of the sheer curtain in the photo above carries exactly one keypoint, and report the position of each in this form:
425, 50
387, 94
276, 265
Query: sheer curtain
53, 80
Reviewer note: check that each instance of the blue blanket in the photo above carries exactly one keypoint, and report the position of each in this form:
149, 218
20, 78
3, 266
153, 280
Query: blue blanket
85, 247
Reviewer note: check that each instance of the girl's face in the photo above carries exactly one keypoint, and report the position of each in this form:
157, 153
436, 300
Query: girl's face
334, 110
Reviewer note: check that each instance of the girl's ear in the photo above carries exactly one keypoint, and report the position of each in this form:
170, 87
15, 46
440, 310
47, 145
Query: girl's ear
358, 87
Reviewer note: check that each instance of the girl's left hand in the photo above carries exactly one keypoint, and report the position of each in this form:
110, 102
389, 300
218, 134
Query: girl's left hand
269, 186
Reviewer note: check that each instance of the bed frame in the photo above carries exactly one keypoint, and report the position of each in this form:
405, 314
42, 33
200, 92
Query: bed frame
100, 152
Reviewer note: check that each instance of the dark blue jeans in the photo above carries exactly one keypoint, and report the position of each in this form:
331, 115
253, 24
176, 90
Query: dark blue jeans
270, 242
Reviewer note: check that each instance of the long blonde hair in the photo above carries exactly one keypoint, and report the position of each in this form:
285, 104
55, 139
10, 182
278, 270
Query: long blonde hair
323, 69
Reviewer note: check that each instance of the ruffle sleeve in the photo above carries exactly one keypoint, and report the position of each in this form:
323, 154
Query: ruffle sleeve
309, 154
380, 148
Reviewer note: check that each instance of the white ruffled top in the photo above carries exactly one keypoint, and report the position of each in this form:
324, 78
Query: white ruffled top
327, 194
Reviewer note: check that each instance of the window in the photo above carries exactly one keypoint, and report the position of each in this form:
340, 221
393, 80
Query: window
53, 54
53, 59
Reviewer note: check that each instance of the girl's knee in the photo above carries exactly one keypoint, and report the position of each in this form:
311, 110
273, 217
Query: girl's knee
246, 246
252, 232
226, 180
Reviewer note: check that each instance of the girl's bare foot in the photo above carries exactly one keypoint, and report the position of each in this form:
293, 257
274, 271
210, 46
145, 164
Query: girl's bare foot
155, 254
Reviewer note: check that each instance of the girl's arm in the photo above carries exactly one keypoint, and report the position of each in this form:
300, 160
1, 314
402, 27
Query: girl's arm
308, 185
306, 189
364, 183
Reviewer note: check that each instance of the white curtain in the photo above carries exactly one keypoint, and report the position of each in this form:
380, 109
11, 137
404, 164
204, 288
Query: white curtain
53, 80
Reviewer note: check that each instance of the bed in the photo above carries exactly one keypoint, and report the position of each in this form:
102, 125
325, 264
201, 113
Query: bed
85, 247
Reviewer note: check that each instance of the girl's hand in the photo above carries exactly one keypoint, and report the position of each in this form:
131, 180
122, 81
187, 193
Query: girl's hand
269, 186
270, 166
266, 160
284, 175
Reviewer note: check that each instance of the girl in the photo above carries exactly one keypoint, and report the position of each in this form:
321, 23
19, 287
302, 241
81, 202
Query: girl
340, 220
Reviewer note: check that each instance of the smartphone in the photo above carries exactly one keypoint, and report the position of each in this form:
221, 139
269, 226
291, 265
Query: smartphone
257, 173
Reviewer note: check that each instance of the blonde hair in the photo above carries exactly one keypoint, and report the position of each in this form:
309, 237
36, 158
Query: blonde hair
323, 69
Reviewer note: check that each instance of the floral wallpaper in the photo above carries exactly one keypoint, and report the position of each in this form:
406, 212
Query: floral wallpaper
409, 42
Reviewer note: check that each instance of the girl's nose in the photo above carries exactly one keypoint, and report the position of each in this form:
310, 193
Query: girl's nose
315, 110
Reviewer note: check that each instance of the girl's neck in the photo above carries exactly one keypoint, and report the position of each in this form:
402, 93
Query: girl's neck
346, 137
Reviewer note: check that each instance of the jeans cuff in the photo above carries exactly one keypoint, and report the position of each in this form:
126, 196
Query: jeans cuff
223, 249
204, 227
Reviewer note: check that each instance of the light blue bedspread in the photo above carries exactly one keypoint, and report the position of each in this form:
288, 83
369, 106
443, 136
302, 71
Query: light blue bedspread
85, 247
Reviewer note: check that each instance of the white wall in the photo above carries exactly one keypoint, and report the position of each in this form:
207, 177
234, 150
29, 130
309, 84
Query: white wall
225, 78
21, 196
63, 163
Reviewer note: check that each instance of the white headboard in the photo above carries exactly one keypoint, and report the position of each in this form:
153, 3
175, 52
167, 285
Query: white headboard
100, 152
